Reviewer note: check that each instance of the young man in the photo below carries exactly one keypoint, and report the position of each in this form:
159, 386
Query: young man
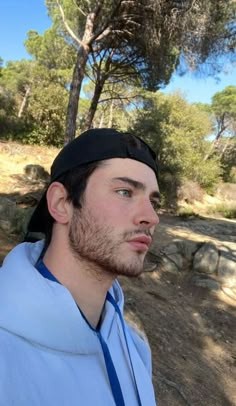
63, 338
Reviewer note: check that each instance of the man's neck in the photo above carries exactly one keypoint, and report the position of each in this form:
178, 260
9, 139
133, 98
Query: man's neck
86, 284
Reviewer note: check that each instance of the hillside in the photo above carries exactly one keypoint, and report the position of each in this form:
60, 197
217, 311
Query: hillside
190, 329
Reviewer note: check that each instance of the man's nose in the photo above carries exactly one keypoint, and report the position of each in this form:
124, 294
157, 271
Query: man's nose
146, 214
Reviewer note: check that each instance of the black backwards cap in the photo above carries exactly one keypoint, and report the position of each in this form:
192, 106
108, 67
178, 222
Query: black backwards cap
91, 146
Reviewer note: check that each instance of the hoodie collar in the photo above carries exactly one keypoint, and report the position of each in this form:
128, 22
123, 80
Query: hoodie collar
43, 311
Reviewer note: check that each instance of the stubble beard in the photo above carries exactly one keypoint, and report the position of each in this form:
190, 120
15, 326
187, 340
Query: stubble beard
96, 244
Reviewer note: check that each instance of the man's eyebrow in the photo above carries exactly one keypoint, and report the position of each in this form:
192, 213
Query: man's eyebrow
137, 185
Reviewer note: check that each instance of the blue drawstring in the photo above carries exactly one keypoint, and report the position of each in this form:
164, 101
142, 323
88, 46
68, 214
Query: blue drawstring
112, 375
117, 309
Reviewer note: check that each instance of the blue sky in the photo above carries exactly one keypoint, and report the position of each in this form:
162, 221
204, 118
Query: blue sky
19, 16
16, 18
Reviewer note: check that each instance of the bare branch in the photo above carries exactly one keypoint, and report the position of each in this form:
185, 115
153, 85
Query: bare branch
117, 98
104, 34
70, 31
80, 9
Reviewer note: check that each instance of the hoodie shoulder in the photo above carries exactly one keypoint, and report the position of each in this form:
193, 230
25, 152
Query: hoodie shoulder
140, 341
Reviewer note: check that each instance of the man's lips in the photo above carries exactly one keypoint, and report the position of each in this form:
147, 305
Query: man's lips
141, 242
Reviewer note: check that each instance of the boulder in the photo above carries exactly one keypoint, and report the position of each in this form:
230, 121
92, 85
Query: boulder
206, 259
170, 249
169, 265
187, 248
178, 260
213, 266
227, 270
172, 255
36, 172
13, 220
204, 282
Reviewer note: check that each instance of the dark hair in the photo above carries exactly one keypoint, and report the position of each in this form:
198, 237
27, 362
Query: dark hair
75, 182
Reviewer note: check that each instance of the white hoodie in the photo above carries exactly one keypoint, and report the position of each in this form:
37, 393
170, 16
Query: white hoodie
49, 355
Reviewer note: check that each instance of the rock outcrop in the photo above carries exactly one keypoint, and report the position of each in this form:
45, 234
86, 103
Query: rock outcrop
212, 266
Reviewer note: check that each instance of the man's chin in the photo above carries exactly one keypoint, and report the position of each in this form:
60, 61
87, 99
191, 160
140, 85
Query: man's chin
131, 269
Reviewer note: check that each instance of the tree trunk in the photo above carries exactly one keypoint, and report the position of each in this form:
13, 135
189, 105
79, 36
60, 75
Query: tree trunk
111, 115
225, 147
101, 120
78, 76
221, 128
93, 106
23, 103
72, 108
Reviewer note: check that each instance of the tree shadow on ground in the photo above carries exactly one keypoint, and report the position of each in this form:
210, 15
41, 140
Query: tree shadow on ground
16, 209
25, 186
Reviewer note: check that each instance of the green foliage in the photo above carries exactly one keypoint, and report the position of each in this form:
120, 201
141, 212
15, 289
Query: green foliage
1, 63
222, 113
215, 21
75, 15
8, 110
115, 105
177, 131
46, 115
224, 109
16, 74
225, 101
114, 42
148, 40
226, 150
50, 49
32, 103
232, 175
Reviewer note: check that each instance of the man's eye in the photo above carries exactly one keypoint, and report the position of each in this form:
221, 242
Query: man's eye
124, 192
155, 204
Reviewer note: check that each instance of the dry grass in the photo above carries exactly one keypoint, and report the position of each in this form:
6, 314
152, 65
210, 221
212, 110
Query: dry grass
15, 156
226, 191
190, 192
226, 209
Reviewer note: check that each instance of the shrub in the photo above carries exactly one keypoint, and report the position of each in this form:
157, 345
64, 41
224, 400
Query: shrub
226, 210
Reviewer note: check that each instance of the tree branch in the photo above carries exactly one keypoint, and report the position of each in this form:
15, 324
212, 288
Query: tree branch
117, 98
104, 31
70, 31
80, 9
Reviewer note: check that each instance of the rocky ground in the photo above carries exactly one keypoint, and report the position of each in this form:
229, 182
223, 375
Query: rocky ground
191, 330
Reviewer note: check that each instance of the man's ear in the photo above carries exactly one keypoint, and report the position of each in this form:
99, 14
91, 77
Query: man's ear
58, 206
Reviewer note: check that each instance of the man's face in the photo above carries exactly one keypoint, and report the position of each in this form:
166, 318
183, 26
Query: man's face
115, 225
